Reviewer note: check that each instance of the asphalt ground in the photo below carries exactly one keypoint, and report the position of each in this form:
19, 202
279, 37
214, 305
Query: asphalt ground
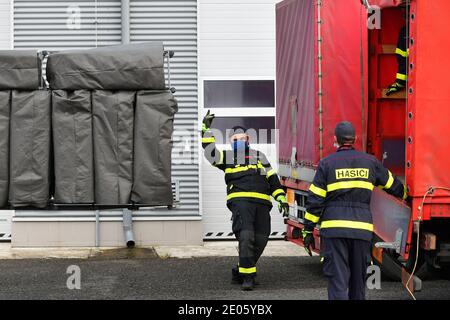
145, 275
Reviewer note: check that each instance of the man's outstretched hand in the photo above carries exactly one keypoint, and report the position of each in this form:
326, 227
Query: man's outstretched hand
207, 121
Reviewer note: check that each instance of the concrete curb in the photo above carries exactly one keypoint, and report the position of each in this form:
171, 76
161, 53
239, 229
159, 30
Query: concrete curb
209, 249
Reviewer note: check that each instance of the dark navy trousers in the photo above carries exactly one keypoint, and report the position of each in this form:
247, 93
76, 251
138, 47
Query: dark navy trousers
251, 227
345, 263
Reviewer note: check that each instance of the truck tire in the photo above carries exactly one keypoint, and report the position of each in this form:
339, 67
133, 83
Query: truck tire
387, 273
422, 269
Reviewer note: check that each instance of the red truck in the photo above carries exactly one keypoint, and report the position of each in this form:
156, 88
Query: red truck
334, 64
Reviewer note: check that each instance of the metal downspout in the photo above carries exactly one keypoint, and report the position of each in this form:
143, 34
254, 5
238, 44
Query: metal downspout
128, 228
125, 21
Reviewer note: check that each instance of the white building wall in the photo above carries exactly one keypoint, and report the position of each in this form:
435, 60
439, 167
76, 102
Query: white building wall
5, 25
236, 41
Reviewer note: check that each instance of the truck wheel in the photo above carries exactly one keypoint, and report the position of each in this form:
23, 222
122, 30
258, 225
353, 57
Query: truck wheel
422, 269
387, 273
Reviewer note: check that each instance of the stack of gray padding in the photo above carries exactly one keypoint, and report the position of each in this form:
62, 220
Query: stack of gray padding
25, 131
111, 118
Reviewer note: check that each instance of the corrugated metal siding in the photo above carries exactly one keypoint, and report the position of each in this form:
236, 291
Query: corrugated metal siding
42, 25
5, 24
175, 23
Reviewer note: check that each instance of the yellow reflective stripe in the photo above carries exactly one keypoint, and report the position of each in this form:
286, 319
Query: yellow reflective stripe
277, 192
208, 140
402, 53
247, 270
346, 224
349, 185
248, 195
405, 194
270, 173
401, 76
311, 217
389, 182
220, 159
318, 191
240, 169
260, 165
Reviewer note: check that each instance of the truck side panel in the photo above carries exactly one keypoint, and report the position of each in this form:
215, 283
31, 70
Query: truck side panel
428, 129
296, 110
322, 72
344, 69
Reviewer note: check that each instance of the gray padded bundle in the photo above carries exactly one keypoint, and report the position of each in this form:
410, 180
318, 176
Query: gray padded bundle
5, 100
113, 145
30, 141
73, 153
125, 67
153, 128
19, 69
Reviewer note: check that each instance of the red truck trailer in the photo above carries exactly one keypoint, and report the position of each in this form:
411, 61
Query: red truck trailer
333, 66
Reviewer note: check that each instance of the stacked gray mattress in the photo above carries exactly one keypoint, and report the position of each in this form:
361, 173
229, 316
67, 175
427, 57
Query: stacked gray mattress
100, 135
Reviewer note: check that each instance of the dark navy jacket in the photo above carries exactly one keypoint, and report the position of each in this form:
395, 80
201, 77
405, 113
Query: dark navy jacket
248, 175
339, 196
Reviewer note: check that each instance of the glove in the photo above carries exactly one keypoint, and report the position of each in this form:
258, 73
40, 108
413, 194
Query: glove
207, 121
283, 206
308, 241
394, 88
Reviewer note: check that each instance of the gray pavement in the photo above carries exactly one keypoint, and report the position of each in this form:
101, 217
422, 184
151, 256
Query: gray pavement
145, 275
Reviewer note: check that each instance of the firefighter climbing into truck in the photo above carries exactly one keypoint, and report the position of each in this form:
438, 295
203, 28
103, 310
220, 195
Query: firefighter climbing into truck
402, 52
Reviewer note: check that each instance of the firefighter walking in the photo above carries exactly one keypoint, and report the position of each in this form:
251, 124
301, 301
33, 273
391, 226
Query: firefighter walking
251, 182
339, 200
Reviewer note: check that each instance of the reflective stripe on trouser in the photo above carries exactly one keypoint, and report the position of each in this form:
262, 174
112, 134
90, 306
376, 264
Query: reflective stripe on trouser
251, 227
250, 195
331, 226
345, 263
402, 56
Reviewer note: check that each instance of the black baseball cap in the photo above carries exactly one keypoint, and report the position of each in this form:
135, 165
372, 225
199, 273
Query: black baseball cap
237, 130
345, 132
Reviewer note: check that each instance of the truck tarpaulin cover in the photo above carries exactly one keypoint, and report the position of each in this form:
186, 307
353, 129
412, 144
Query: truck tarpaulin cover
428, 153
153, 128
113, 145
343, 78
30, 148
19, 70
126, 67
4, 146
73, 152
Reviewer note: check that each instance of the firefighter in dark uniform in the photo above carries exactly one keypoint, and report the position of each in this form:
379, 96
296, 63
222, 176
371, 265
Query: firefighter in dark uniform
402, 52
339, 200
250, 183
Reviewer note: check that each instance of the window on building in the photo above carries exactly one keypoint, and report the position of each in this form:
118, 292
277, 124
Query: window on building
239, 94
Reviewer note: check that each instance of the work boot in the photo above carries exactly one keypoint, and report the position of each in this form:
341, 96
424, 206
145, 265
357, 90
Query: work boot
248, 283
236, 277
396, 87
